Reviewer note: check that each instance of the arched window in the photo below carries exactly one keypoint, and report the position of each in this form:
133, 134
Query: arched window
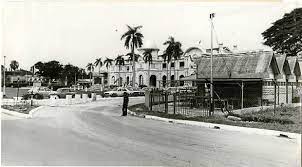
181, 82
172, 81
127, 80
141, 80
113, 80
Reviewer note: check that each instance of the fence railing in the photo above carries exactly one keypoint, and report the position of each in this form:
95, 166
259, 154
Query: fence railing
184, 102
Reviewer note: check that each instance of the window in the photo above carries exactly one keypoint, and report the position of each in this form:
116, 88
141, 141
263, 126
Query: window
164, 65
172, 65
182, 64
127, 68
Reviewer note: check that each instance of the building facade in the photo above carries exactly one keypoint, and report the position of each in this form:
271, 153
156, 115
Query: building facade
159, 70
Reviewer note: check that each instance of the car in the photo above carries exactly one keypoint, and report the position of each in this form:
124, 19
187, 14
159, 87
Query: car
40, 92
119, 91
62, 92
136, 91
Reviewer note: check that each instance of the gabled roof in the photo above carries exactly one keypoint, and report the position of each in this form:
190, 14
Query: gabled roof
283, 64
249, 65
294, 66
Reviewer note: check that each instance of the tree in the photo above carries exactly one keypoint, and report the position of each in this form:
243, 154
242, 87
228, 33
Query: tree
133, 39
148, 59
285, 35
108, 62
90, 68
98, 62
82, 72
173, 51
120, 61
70, 72
14, 65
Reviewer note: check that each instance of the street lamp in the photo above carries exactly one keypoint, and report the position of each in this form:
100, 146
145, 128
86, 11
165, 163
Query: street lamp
4, 77
212, 15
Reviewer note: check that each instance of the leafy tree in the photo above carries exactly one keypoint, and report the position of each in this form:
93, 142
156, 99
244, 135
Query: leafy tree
14, 65
148, 59
108, 62
285, 35
70, 72
51, 69
120, 61
133, 39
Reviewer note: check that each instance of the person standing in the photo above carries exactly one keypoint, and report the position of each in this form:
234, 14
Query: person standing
125, 104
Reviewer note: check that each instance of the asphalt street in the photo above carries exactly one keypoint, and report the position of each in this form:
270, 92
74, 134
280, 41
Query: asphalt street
96, 134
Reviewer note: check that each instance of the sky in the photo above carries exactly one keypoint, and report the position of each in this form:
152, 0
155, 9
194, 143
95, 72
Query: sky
78, 32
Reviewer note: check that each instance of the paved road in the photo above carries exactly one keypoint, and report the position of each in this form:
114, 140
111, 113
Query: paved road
96, 134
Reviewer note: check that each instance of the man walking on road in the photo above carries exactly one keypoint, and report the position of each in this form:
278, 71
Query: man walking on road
125, 104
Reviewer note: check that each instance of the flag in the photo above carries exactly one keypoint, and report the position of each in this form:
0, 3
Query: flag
212, 15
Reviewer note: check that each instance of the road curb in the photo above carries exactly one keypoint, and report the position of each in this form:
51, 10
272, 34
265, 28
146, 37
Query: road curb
222, 126
21, 115
15, 113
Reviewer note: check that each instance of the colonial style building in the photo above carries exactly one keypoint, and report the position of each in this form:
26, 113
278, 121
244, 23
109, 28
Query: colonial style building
159, 69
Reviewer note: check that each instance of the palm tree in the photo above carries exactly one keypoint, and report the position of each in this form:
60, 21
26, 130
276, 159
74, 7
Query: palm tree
133, 39
173, 51
14, 65
148, 59
98, 62
90, 68
120, 61
108, 62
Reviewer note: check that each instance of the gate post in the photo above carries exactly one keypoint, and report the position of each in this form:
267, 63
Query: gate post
150, 100
174, 103
166, 102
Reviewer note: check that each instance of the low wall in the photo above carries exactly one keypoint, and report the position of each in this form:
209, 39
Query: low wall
52, 101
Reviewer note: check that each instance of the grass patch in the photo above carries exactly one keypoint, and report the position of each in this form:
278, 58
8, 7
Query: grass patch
286, 119
24, 109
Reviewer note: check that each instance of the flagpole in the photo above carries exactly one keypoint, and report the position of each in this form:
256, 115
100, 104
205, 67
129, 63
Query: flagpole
211, 84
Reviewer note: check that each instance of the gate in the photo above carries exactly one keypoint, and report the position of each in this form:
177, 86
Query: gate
184, 102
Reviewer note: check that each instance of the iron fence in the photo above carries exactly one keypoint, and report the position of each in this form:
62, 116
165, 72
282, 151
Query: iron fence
181, 101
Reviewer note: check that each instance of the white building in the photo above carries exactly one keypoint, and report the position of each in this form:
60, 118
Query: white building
158, 70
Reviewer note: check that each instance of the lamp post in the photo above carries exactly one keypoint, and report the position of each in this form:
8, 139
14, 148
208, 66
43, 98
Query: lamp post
212, 15
4, 77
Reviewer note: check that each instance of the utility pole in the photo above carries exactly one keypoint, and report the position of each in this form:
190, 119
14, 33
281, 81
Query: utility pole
212, 15
4, 77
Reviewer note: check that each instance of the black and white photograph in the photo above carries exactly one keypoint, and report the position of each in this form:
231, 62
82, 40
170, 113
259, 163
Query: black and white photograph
195, 83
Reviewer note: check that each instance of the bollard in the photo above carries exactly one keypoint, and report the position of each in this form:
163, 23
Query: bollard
53, 100
93, 96
84, 97
98, 97
68, 99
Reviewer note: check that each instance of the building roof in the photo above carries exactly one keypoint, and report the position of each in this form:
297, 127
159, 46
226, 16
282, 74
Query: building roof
294, 66
230, 66
283, 65
19, 72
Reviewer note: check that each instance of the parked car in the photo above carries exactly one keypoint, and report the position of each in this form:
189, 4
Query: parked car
136, 91
117, 92
62, 92
40, 92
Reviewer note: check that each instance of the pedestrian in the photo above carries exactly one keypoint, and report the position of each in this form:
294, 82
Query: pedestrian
125, 104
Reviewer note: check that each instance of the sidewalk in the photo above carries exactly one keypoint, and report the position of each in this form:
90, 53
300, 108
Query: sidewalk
222, 126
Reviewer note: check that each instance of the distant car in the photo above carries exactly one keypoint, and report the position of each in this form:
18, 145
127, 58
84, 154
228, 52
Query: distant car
40, 92
117, 92
62, 92
136, 91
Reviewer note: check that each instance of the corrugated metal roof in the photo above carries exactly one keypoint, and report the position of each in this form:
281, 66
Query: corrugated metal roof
249, 65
